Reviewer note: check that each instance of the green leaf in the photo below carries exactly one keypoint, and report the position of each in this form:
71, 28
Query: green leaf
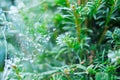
101, 76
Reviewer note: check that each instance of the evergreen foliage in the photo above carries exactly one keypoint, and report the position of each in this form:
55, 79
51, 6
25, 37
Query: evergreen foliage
60, 40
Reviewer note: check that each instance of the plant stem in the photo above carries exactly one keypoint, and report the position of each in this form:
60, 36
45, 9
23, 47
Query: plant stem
79, 2
102, 36
78, 28
68, 3
107, 22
